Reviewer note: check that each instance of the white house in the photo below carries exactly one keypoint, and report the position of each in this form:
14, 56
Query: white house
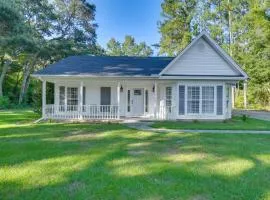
196, 84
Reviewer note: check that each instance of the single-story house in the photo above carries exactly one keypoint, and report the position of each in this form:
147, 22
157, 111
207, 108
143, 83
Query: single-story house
196, 84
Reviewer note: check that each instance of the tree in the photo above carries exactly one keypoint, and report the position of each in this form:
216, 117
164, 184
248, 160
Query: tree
13, 37
61, 28
35, 33
176, 28
114, 48
252, 50
128, 48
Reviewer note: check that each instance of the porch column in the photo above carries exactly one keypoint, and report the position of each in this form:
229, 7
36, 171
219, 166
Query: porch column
245, 94
81, 99
43, 98
233, 96
118, 100
156, 100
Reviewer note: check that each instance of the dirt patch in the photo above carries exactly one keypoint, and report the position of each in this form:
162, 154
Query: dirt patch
74, 187
136, 152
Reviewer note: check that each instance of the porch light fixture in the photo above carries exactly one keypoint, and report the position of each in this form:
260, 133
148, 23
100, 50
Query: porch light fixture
153, 89
121, 88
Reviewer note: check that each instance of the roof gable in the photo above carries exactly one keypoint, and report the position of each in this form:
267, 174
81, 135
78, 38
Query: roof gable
203, 57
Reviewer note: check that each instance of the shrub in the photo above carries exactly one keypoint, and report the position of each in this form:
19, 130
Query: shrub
4, 102
195, 121
244, 118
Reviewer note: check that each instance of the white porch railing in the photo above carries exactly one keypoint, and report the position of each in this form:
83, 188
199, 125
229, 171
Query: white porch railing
166, 112
102, 112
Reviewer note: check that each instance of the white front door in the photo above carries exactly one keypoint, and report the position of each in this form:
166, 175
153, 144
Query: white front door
137, 102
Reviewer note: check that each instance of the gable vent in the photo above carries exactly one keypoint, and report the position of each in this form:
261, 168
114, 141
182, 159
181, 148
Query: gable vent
201, 46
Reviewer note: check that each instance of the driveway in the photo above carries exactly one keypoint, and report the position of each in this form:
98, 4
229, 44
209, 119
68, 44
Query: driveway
264, 115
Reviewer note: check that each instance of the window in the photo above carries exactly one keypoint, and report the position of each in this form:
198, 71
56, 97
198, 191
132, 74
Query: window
169, 98
193, 99
105, 96
61, 95
72, 96
208, 99
146, 100
137, 92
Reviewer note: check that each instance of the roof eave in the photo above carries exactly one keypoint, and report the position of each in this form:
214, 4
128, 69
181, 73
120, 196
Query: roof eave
190, 77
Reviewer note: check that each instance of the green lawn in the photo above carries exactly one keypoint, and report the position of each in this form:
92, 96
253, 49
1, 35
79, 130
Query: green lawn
236, 123
110, 161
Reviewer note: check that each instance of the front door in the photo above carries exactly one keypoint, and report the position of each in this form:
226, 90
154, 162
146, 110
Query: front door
137, 102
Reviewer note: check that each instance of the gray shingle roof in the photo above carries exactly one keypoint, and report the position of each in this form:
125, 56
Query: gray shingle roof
107, 66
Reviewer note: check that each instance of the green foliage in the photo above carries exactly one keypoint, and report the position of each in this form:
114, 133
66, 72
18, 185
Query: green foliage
244, 118
4, 102
128, 48
176, 28
35, 33
240, 27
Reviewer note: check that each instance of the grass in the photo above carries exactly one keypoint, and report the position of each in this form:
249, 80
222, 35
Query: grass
110, 161
236, 123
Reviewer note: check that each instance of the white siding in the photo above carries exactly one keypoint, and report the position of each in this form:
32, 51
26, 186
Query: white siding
93, 94
201, 59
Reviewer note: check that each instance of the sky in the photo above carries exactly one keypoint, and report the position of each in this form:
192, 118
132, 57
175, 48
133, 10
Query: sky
117, 18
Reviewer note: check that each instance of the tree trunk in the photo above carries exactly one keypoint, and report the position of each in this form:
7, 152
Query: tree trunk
230, 26
2, 77
26, 76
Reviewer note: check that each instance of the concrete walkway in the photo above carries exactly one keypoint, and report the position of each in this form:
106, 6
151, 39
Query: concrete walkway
146, 126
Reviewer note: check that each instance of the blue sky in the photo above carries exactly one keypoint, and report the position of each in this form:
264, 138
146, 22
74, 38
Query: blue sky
117, 18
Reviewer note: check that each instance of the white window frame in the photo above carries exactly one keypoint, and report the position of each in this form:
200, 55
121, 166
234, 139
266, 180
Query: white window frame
197, 84
207, 100
187, 100
71, 97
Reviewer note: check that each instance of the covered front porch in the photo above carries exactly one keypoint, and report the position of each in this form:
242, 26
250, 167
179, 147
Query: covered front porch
108, 99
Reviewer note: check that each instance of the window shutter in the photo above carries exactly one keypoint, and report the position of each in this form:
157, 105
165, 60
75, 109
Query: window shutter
84, 94
219, 100
181, 99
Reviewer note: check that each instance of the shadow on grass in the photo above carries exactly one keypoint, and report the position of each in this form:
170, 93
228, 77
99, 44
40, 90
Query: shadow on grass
110, 161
